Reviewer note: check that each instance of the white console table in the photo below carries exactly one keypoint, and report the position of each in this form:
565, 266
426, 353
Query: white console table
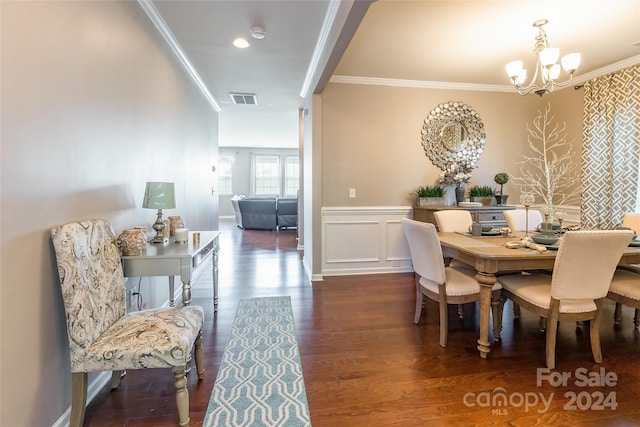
187, 260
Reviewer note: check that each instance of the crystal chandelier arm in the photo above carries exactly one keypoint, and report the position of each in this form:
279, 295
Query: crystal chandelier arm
525, 90
546, 66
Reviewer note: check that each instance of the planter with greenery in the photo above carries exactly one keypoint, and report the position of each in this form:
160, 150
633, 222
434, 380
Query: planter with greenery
429, 195
483, 194
501, 179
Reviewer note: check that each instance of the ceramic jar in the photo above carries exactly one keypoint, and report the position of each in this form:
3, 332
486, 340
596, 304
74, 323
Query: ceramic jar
132, 241
175, 222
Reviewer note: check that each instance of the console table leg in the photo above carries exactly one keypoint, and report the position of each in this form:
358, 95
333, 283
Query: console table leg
215, 279
186, 293
171, 291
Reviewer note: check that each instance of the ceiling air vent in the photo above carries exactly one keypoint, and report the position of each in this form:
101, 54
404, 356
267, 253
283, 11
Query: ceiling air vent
244, 98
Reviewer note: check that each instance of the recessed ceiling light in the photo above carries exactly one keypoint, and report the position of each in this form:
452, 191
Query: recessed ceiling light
258, 33
241, 43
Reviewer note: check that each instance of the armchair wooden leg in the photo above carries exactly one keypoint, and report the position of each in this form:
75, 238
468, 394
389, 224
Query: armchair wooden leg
419, 302
552, 331
444, 316
636, 318
497, 306
543, 324
78, 398
182, 395
516, 311
617, 314
594, 331
199, 356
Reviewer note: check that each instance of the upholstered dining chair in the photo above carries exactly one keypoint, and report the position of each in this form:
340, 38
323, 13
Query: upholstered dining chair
453, 220
582, 272
623, 293
517, 219
625, 290
101, 336
445, 285
632, 220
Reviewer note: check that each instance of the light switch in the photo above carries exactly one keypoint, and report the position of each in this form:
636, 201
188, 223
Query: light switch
352, 193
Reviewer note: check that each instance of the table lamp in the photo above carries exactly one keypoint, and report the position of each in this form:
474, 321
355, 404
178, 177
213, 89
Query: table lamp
159, 195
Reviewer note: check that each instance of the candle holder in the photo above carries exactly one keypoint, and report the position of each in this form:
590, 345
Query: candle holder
560, 218
527, 200
546, 212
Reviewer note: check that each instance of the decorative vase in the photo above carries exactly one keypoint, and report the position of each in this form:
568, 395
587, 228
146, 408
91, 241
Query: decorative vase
450, 195
460, 194
175, 222
501, 199
132, 241
486, 201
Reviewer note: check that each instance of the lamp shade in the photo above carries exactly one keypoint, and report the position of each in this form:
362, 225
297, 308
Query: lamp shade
159, 195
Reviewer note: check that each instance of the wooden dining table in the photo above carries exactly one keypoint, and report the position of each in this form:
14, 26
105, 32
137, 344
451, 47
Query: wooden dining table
490, 257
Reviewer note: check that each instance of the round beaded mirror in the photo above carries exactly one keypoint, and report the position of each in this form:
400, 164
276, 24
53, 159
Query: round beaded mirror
453, 133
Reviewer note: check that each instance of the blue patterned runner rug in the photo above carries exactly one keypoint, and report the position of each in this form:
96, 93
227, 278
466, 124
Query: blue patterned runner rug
260, 378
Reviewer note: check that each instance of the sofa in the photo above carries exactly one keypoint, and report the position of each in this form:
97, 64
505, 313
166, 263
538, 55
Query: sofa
287, 213
265, 213
236, 208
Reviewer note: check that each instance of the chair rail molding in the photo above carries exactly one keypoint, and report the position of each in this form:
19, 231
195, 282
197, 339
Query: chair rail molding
364, 240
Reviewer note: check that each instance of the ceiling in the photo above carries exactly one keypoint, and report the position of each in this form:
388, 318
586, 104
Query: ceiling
430, 43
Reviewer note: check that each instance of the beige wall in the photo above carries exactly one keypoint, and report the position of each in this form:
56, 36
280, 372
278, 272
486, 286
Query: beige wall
371, 139
93, 105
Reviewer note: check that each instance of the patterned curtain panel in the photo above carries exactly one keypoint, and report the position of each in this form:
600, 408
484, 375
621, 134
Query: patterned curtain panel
611, 152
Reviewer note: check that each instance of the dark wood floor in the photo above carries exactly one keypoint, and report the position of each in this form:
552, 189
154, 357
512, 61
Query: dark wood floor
366, 364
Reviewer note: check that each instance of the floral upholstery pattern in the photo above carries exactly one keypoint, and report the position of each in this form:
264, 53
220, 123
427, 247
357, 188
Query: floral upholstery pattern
157, 338
101, 336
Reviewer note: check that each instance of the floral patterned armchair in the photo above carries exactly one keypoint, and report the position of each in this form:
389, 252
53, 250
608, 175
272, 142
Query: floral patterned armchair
101, 336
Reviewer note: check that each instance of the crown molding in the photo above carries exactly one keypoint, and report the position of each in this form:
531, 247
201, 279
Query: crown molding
616, 66
320, 50
376, 81
163, 29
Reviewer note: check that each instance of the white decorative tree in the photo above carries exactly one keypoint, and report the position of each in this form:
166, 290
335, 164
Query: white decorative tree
548, 172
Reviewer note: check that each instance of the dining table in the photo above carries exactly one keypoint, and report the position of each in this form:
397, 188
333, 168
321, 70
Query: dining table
490, 257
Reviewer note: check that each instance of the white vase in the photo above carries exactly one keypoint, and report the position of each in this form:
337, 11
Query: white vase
450, 195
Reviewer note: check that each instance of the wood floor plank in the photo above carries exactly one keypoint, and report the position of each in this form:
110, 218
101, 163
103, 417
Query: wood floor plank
366, 364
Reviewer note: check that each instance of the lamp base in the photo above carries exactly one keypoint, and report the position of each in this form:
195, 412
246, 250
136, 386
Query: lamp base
159, 239
160, 227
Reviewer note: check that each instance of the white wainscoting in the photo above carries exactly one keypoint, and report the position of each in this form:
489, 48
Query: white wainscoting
369, 239
364, 240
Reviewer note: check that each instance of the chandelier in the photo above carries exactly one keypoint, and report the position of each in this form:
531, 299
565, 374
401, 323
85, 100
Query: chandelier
546, 74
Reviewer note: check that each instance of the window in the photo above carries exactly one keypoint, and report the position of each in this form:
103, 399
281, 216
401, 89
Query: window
225, 168
291, 176
266, 175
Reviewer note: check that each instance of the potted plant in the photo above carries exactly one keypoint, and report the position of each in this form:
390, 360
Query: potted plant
501, 179
429, 195
483, 194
